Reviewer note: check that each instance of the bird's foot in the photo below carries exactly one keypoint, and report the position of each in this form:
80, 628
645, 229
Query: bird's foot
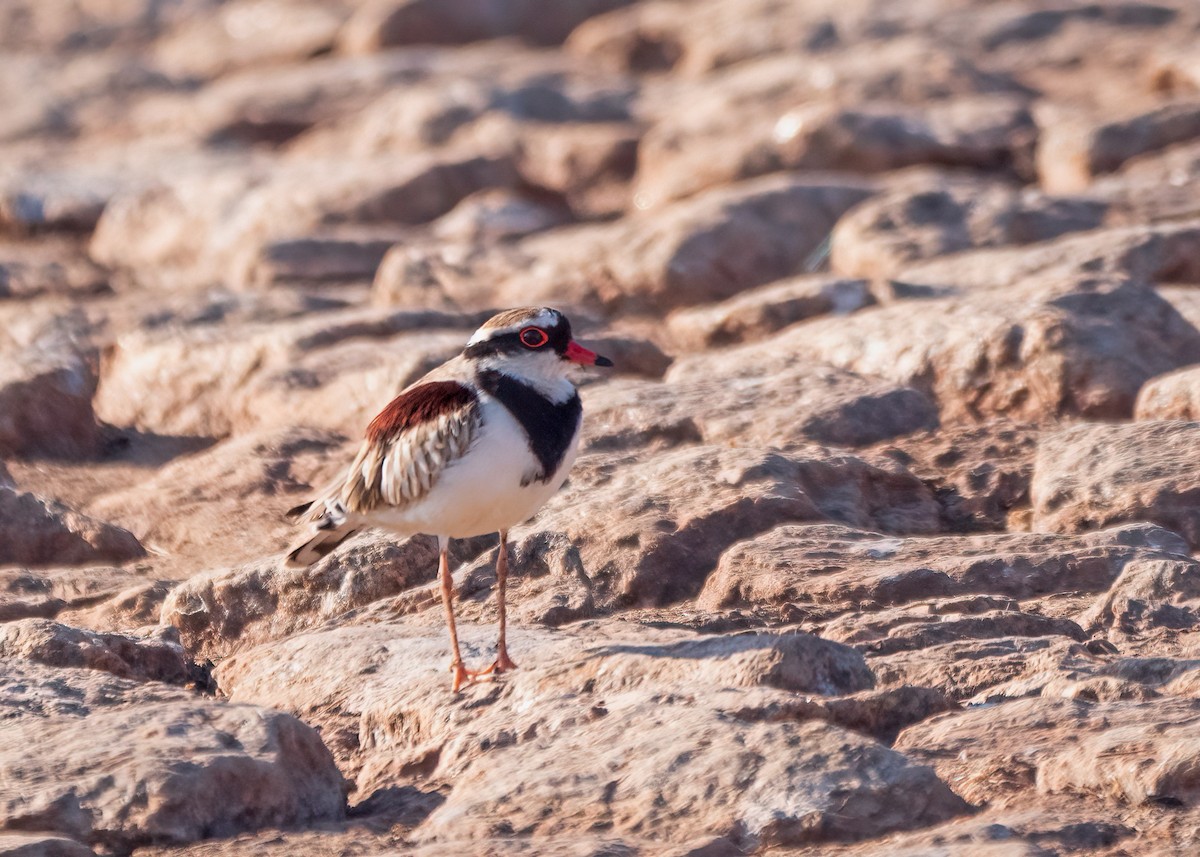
462, 676
502, 664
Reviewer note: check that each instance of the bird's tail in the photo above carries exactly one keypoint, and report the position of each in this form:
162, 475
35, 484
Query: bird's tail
332, 525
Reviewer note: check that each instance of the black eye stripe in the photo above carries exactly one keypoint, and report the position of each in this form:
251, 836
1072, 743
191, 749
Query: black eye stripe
558, 337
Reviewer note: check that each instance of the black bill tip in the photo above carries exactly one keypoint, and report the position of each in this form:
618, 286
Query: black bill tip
602, 361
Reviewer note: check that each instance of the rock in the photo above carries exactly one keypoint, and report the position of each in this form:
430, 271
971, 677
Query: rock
1150, 594
199, 229
224, 610
386, 24
756, 313
1063, 746
47, 592
47, 267
1112, 762
730, 402
1072, 152
968, 670
937, 216
118, 764
680, 510
776, 803
41, 845
245, 33
1162, 253
50, 201
979, 474
607, 676
338, 370
988, 133
824, 569
1173, 396
715, 35
272, 104
315, 259
177, 509
58, 645
704, 249
1095, 474
591, 164
878, 713
1078, 347
497, 215
913, 627
46, 403
632, 354
39, 531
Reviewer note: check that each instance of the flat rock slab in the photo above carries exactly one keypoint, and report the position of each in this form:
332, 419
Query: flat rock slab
829, 569
118, 764
790, 783
559, 731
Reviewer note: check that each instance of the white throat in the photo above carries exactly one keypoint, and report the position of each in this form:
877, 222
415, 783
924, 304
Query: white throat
544, 372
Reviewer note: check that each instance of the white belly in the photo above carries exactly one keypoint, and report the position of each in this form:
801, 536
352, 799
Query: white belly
481, 492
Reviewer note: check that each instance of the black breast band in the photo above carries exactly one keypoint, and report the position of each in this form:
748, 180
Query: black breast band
550, 427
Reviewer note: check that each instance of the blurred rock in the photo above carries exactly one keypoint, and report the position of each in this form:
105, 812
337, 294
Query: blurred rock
985, 133
1074, 150
1094, 475
703, 249
757, 313
201, 229
41, 845
745, 406
250, 33
1162, 253
383, 24
50, 267
39, 531
46, 403
935, 217
1173, 396
57, 645
98, 758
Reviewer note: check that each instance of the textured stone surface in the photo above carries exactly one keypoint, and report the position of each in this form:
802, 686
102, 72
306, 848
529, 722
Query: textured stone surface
881, 539
117, 764
1094, 474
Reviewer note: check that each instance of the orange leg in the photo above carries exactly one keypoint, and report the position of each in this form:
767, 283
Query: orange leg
503, 662
456, 664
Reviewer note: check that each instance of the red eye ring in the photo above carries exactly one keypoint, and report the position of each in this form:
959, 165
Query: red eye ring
534, 337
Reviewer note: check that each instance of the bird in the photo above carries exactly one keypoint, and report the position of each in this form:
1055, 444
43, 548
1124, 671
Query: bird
476, 446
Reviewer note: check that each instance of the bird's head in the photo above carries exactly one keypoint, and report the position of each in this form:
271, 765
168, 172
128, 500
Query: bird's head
533, 343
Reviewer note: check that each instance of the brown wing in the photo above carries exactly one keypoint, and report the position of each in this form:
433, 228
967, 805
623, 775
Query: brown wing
407, 446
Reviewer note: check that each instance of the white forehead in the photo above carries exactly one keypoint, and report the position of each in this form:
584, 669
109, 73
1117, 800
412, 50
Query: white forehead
514, 320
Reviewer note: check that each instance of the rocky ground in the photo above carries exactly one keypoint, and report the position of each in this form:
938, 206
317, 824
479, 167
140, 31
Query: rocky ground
883, 537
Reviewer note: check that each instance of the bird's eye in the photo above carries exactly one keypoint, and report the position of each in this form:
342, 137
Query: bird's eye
534, 337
